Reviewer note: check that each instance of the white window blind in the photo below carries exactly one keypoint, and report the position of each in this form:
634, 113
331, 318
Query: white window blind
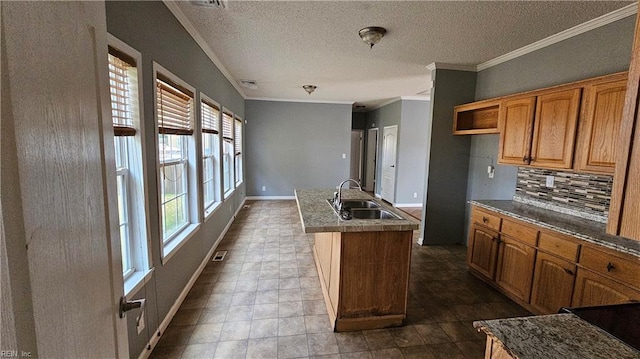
210, 117
120, 89
174, 107
227, 127
238, 137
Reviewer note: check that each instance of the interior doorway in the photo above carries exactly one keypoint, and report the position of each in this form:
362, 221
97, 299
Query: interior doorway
372, 157
389, 144
356, 156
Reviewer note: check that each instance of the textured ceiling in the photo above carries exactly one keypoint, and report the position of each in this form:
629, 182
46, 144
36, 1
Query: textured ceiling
286, 44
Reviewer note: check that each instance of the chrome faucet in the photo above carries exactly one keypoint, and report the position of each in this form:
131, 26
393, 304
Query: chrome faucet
337, 199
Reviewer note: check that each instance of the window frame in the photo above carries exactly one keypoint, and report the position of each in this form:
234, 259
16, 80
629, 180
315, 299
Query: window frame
238, 158
170, 246
232, 187
217, 155
135, 180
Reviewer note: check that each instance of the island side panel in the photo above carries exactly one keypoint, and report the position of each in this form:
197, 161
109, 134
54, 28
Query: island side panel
375, 274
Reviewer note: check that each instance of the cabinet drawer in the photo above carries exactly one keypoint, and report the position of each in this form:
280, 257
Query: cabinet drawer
520, 231
614, 267
487, 219
558, 245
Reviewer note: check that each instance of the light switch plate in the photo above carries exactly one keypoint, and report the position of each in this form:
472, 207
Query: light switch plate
141, 323
550, 180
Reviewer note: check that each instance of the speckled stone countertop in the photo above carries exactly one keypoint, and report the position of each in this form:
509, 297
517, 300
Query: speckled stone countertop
561, 336
318, 216
587, 230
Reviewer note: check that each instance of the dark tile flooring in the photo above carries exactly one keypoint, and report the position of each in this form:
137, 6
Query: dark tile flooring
264, 301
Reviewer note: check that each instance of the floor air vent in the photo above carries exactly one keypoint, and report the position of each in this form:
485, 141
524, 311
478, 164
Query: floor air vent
219, 256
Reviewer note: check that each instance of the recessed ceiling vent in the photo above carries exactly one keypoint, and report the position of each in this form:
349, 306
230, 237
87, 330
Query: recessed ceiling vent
217, 4
250, 84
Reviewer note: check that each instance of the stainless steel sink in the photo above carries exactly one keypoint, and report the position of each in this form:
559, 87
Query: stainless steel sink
359, 204
362, 213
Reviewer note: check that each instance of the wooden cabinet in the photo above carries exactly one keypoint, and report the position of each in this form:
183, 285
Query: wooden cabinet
554, 129
540, 130
552, 283
482, 250
625, 197
476, 118
515, 267
364, 277
600, 125
594, 289
516, 129
494, 349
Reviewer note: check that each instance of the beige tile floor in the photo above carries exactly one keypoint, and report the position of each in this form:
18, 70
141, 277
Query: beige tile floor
264, 301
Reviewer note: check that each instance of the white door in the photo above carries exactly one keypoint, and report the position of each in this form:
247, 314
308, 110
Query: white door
55, 99
372, 156
389, 143
356, 157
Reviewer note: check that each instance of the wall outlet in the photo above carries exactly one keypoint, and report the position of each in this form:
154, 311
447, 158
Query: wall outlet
344, 156
491, 171
549, 182
415, 194
264, 188
141, 324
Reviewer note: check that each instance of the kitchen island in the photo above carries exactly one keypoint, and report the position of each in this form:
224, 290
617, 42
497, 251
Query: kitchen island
363, 264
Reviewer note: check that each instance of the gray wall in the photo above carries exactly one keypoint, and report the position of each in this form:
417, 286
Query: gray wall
597, 52
150, 28
412, 152
296, 145
443, 217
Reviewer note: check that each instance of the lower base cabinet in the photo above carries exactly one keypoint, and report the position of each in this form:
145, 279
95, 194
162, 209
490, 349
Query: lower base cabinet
593, 289
483, 248
515, 268
552, 283
364, 277
495, 350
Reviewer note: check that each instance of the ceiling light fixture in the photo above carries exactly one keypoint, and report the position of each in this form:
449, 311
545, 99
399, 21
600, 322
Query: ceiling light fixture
309, 88
372, 35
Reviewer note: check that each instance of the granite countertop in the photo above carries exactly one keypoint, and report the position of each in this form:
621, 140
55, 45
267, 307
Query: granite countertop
318, 216
561, 336
585, 229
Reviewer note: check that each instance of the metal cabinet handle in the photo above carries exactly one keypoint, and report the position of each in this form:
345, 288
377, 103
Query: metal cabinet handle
568, 271
524, 159
485, 219
610, 267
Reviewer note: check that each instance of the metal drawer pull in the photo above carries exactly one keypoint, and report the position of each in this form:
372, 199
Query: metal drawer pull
610, 267
485, 219
568, 271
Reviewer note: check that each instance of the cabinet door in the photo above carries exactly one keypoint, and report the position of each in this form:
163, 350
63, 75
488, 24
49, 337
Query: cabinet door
554, 130
323, 243
600, 126
594, 289
515, 268
553, 281
516, 127
482, 250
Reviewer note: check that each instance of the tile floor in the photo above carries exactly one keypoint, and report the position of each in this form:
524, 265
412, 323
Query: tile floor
264, 301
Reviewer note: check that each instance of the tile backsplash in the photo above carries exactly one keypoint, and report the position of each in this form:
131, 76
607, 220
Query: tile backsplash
587, 194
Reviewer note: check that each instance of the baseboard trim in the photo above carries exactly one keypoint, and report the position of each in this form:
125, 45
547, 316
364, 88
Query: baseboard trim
408, 205
176, 305
269, 198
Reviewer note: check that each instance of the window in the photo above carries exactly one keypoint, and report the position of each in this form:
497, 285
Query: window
210, 116
126, 113
227, 153
176, 158
238, 150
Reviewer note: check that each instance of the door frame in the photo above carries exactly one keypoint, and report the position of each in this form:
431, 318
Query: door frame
372, 159
360, 158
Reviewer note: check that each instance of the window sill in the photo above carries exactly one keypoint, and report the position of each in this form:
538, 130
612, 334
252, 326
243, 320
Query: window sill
136, 281
229, 193
170, 248
211, 209
238, 184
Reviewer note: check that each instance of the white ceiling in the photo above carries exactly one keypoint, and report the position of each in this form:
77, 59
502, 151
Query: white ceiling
286, 44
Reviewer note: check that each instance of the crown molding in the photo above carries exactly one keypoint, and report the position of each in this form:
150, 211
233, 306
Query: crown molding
444, 66
603, 20
299, 100
182, 18
416, 98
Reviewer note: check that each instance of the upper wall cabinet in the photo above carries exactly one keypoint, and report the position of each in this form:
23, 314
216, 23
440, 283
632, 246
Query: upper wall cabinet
476, 118
516, 129
554, 129
539, 130
600, 124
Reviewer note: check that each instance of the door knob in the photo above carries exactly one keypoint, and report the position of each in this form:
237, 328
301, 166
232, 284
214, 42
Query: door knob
392, 166
127, 305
